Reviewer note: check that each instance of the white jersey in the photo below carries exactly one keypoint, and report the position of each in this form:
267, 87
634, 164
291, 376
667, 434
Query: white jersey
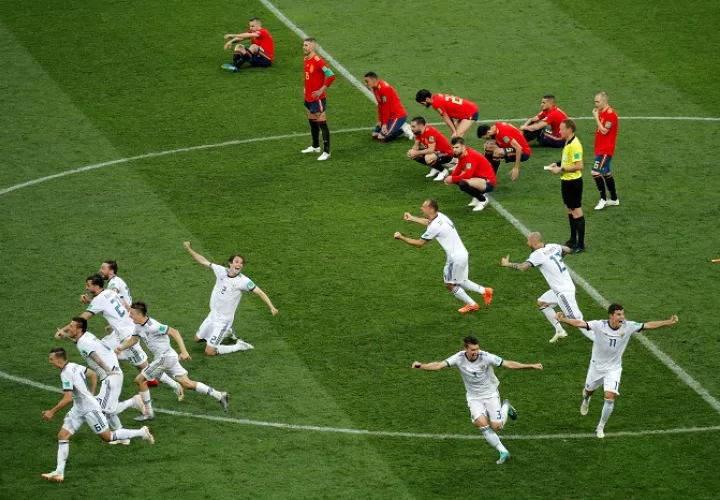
73, 379
549, 260
118, 285
227, 292
88, 344
478, 376
443, 230
609, 345
109, 304
155, 336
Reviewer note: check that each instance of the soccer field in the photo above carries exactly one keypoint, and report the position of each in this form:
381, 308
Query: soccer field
122, 138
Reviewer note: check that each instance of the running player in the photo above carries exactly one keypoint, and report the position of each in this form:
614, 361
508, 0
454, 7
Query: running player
481, 389
392, 116
261, 52
459, 114
431, 148
455, 274
610, 338
545, 126
85, 409
549, 259
473, 174
318, 77
504, 141
230, 284
155, 335
108, 270
606, 120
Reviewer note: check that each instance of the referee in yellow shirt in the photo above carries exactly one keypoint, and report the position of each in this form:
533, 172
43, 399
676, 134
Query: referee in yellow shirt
571, 182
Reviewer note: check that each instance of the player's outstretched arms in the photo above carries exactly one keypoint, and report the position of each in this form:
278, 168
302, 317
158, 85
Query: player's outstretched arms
651, 325
514, 365
257, 291
437, 365
505, 262
419, 220
577, 323
198, 258
410, 241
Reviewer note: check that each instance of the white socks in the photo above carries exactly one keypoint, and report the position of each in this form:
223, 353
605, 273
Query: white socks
462, 295
147, 401
114, 421
165, 379
62, 456
607, 410
124, 405
473, 287
127, 434
493, 439
504, 412
204, 389
549, 313
227, 349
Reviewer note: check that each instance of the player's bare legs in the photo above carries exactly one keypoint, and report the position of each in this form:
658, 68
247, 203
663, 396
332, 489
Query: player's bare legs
462, 127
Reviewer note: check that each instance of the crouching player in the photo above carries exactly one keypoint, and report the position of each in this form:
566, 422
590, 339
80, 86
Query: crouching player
473, 174
431, 148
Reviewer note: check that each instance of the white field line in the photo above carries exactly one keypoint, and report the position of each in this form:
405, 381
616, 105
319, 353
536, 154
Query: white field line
664, 358
363, 432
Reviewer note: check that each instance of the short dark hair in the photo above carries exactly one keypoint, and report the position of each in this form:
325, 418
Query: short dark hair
482, 130
96, 280
139, 306
112, 264
371, 74
457, 140
470, 340
550, 97
59, 352
613, 308
232, 258
419, 120
432, 204
310, 39
82, 322
255, 19
422, 95
570, 124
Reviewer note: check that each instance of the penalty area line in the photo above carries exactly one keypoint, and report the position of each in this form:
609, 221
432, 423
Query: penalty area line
393, 434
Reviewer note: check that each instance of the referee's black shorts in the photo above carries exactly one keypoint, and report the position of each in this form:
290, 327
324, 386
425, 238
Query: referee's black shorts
572, 191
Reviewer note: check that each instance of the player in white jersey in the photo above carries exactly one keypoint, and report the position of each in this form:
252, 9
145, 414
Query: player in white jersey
549, 259
85, 409
455, 275
108, 270
610, 338
230, 284
481, 388
156, 337
101, 359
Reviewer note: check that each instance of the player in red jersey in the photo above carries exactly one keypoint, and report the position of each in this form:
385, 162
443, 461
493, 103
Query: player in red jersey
431, 148
473, 174
260, 53
458, 113
545, 126
505, 141
392, 116
318, 77
605, 136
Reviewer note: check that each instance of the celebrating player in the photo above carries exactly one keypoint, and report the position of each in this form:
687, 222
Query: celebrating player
108, 270
549, 259
459, 114
456, 266
605, 137
155, 335
261, 52
318, 77
391, 113
505, 141
481, 389
545, 126
611, 337
473, 174
431, 148
85, 409
230, 284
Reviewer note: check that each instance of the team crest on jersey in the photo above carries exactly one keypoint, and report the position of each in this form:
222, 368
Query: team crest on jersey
312, 68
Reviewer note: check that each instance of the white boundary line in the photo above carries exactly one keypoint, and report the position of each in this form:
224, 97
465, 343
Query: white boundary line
664, 358
411, 435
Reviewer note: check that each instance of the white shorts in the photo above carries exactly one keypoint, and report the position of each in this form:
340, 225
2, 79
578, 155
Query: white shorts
169, 364
94, 418
456, 271
610, 380
566, 301
214, 329
134, 354
109, 394
489, 407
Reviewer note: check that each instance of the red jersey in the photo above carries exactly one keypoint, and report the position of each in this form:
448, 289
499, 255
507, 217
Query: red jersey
454, 107
553, 117
506, 133
389, 105
605, 144
431, 135
264, 41
473, 164
315, 77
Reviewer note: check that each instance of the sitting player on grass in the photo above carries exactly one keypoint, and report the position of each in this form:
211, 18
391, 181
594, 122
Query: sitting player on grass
260, 53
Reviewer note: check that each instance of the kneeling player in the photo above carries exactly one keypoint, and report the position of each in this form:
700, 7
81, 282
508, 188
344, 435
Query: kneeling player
505, 141
260, 53
431, 148
392, 116
473, 174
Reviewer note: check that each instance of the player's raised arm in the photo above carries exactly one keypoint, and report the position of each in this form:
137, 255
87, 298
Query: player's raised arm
577, 323
434, 366
505, 262
419, 220
514, 365
410, 241
199, 258
257, 291
651, 325
61, 333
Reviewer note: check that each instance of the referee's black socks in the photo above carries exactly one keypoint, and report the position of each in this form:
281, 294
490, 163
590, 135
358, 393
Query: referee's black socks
580, 224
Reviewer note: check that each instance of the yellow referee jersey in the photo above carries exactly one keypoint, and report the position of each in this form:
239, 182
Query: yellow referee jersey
571, 154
